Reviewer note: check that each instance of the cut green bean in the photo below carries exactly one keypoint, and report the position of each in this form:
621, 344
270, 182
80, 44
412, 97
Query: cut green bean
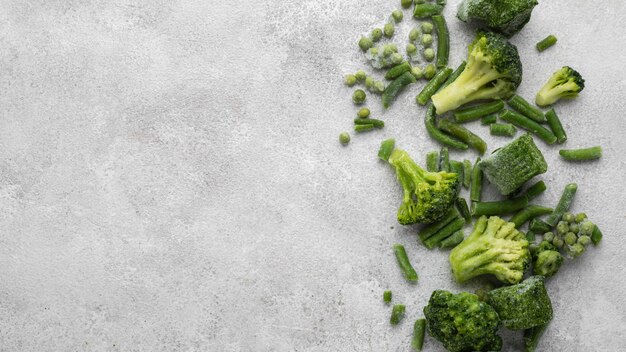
502, 129
395, 87
386, 147
453, 240
477, 182
477, 111
463, 134
404, 263
535, 190
431, 229
564, 204
368, 121
467, 173
529, 125
397, 314
447, 231
556, 126
461, 205
437, 134
581, 154
363, 128
387, 296
596, 236
443, 40
501, 207
530, 212
426, 10
419, 329
433, 86
530, 236
525, 108
489, 119
444, 160
457, 168
546, 43
432, 162
454, 75
539, 226
397, 70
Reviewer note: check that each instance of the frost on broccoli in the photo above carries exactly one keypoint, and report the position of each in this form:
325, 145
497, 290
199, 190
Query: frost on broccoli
493, 71
428, 196
564, 83
494, 247
505, 16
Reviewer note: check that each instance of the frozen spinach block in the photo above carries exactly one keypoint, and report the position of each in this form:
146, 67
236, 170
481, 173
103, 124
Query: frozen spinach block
509, 167
522, 306
505, 16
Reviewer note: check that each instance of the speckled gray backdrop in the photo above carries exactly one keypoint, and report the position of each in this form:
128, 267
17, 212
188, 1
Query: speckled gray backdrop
171, 180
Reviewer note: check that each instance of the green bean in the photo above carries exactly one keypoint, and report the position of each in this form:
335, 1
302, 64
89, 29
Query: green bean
437, 135
426, 10
397, 314
432, 162
530, 212
397, 70
467, 173
387, 296
396, 87
535, 190
454, 75
581, 154
433, 86
596, 236
528, 124
546, 43
386, 147
443, 40
539, 226
564, 203
457, 168
463, 134
489, 119
444, 160
477, 182
530, 236
431, 229
419, 329
406, 3
461, 205
452, 227
499, 207
525, 108
344, 138
556, 126
363, 128
404, 263
477, 111
453, 240
368, 121
502, 129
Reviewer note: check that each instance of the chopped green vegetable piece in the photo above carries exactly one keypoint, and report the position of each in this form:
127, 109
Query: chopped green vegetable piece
504, 16
564, 83
500, 207
397, 314
461, 205
477, 182
429, 71
398, 70
564, 203
539, 226
359, 96
467, 173
363, 128
350, 80
419, 328
413, 35
447, 231
437, 134
427, 40
406, 3
529, 125
344, 138
426, 10
433, 86
443, 40
452, 240
363, 113
525, 108
387, 296
530, 212
489, 119
432, 162
365, 43
386, 148
530, 236
395, 87
444, 160
556, 126
596, 236
368, 121
427, 27
397, 15
433, 228
477, 111
389, 29
417, 72
502, 129
581, 154
411, 49
404, 263
546, 43
457, 168
535, 190
463, 134
429, 54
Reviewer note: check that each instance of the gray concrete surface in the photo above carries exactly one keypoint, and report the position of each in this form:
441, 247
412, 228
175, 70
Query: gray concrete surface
171, 180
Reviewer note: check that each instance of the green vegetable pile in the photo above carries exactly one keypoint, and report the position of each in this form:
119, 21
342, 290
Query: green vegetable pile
513, 237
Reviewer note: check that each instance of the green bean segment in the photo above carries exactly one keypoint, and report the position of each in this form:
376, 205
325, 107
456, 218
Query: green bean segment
419, 329
397, 70
467, 173
437, 134
502, 129
432, 162
433, 86
395, 87
426, 10
529, 125
477, 111
386, 148
463, 134
564, 204
443, 40
556, 126
546, 43
397, 314
525, 108
499, 207
368, 121
530, 212
581, 154
404, 263
477, 182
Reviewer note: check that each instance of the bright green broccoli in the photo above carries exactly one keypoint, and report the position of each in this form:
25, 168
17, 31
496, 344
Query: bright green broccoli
493, 71
462, 322
494, 247
564, 83
428, 196
522, 306
546, 259
505, 16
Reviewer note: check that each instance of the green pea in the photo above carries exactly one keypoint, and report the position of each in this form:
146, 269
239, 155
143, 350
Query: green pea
430, 71
569, 217
411, 49
427, 27
417, 72
580, 217
414, 34
584, 240
379, 86
377, 33
406, 3
577, 249
586, 228
350, 80
570, 238
429, 54
427, 40
359, 96
365, 43
344, 138
360, 75
363, 113
369, 82
388, 50
562, 228
548, 236
373, 52
557, 242
389, 29
397, 15
396, 58
575, 228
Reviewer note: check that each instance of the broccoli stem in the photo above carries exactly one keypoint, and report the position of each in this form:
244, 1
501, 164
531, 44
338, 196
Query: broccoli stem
535, 190
433, 228
499, 207
387, 296
419, 328
432, 162
532, 336
556, 126
433, 86
546, 43
502, 129
386, 147
437, 134
564, 203
463, 134
368, 121
395, 87
447, 231
530, 212
444, 160
581, 154
489, 119
404, 263
397, 314
467, 173
529, 125
525, 108
477, 182
443, 39
596, 235
453, 240
398, 70
461, 205
477, 111
539, 226
426, 10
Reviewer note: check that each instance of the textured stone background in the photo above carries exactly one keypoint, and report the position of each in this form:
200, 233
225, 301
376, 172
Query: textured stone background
171, 180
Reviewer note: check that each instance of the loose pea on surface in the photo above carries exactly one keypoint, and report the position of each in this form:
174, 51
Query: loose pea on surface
413, 35
365, 43
417, 72
570, 238
427, 27
429, 54
580, 217
396, 58
430, 71
427, 40
360, 75
363, 113
406, 3
359, 96
377, 33
369, 82
344, 138
411, 49
350, 80
389, 30
397, 15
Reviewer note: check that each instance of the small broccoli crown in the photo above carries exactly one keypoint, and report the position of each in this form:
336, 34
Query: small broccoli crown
493, 71
428, 196
524, 305
505, 16
462, 322
494, 247
546, 259
564, 83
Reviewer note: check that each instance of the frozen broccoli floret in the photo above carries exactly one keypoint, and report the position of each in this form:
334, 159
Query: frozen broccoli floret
564, 83
505, 16
546, 259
